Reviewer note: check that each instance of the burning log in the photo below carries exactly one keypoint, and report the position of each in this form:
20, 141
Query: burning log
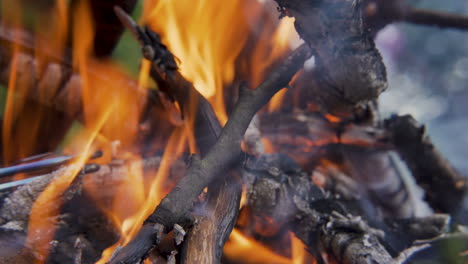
307, 135
52, 80
315, 217
202, 171
16, 207
289, 196
360, 151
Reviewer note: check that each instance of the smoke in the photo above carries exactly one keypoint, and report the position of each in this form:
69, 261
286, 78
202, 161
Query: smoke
428, 78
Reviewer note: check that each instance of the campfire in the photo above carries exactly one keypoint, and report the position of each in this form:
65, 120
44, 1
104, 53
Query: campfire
242, 131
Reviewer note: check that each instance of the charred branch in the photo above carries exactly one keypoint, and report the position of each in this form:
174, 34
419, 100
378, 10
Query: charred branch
203, 171
214, 224
349, 70
433, 18
445, 187
380, 13
78, 216
403, 233
283, 192
221, 206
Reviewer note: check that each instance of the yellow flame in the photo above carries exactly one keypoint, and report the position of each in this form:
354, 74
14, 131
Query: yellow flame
271, 47
240, 247
298, 250
207, 37
102, 100
131, 206
41, 227
144, 74
277, 100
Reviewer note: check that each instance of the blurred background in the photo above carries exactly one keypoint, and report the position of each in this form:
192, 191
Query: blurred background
428, 77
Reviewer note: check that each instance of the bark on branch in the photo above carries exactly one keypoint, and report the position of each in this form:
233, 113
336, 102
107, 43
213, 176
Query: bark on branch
323, 223
349, 69
203, 171
223, 195
445, 187
380, 13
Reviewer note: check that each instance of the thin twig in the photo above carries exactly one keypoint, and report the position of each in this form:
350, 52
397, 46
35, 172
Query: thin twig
380, 13
445, 187
434, 18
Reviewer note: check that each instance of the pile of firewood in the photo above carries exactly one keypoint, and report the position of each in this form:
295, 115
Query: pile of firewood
352, 187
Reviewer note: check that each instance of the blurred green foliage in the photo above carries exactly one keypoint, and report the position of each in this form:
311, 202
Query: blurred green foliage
128, 50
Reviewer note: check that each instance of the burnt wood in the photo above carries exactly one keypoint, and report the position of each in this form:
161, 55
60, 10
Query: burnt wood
349, 70
212, 229
204, 170
445, 187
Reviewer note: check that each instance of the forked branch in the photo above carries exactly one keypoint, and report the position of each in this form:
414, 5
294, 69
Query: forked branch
203, 171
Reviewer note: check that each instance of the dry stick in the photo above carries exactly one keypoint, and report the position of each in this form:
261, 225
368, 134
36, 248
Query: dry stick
382, 12
445, 187
221, 157
221, 207
205, 242
434, 18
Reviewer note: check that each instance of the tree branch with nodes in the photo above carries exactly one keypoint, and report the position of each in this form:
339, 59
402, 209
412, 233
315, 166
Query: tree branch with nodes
204, 170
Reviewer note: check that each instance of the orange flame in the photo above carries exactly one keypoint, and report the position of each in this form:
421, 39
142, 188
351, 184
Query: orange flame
110, 113
131, 205
298, 251
240, 247
41, 227
277, 100
203, 36
271, 47
207, 37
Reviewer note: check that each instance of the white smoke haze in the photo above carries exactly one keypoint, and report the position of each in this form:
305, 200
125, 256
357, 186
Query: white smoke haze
428, 78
